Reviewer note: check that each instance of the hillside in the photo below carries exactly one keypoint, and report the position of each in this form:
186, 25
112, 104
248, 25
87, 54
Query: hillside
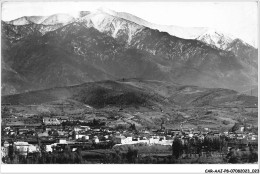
144, 103
96, 94
135, 92
103, 45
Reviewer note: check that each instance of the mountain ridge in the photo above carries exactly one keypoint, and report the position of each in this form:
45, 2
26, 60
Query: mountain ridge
197, 33
112, 48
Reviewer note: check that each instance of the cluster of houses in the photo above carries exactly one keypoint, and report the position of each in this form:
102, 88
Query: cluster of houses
53, 135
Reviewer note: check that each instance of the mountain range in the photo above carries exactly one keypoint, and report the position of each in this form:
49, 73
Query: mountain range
40, 52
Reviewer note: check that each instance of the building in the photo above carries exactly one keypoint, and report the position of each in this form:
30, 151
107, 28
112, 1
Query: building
61, 141
6, 144
190, 135
96, 139
49, 148
166, 142
77, 129
44, 134
119, 139
80, 136
23, 131
4, 151
33, 148
23, 148
51, 121
86, 128
175, 132
153, 140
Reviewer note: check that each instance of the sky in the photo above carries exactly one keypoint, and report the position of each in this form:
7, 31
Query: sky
236, 18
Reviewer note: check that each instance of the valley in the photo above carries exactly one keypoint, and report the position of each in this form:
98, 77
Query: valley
144, 103
109, 87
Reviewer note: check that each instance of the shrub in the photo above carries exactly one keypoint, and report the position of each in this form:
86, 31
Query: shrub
225, 122
177, 148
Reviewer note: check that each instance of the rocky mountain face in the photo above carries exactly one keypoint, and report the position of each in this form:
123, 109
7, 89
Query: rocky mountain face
244, 51
213, 37
12, 82
61, 51
182, 32
216, 39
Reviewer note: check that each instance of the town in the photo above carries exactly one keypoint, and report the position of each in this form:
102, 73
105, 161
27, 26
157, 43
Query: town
61, 139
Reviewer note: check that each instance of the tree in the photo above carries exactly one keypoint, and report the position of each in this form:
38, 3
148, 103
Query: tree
225, 122
49, 133
42, 149
235, 127
253, 155
216, 143
120, 127
5, 111
199, 146
11, 152
233, 156
78, 156
73, 135
131, 155
177, 148
83, 139
132, 127
44, 128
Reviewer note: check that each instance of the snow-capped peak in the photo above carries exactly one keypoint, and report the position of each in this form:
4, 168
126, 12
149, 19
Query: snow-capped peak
102, 17
45, 20
216, 38
37, 19
27, 20
182, 32
19, 21
209, 36
58, 19
212, 31
108, 22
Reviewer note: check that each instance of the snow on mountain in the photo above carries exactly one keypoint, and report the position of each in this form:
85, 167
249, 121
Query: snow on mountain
45, 20
182, 32
108, 22
58, 19
37, 19
28, 20
206, 35
216, 38
209, 36
20, 21
92, 54
112, 22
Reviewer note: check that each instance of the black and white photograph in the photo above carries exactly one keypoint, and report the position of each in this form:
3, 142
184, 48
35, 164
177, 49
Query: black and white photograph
113, 82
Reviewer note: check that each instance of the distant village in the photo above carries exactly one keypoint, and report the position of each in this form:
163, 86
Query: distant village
57, 132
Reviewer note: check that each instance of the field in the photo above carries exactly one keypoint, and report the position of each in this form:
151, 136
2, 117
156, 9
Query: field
144, 103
